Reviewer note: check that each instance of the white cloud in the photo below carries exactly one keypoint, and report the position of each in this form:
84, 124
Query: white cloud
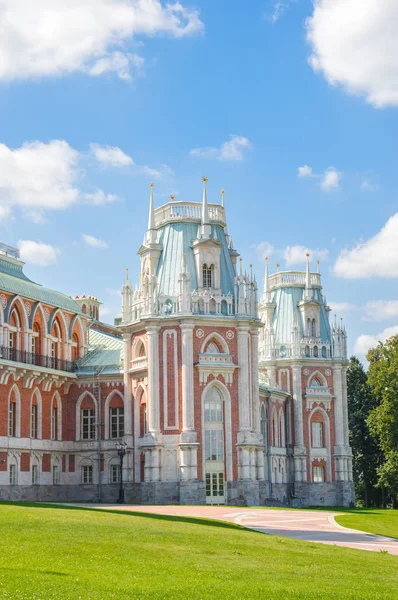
366, 186
111, 156
377, 257
342, 307
37, 177
94, 242
57, 37
380, 310
295, 255
232, 150
305, 171
119, 63
38, 253
331, 179
365, 342
264, 249
355, 45
279, 7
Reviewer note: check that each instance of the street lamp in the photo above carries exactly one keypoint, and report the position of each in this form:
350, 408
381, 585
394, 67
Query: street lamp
121, 450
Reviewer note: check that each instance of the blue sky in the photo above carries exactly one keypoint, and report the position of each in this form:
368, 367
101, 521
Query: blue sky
223, 89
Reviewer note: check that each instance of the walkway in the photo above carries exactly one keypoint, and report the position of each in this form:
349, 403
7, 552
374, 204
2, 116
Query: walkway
310, 526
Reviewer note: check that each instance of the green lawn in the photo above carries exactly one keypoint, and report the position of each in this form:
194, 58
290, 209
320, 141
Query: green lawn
373, 520
49, 553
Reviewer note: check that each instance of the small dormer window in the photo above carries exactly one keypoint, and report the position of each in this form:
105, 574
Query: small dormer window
207, 276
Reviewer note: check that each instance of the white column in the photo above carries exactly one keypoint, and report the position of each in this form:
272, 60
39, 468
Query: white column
128, 403
153, 380
338, 406
187, 378
255, 386
298, 408
345, 407
243, 387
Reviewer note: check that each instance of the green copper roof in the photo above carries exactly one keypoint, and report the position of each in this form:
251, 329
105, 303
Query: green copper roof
177, 239
105, 354
287, 300
14, 281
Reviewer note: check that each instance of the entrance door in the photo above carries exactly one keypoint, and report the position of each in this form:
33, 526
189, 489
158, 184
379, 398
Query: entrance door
215, 488
214, 447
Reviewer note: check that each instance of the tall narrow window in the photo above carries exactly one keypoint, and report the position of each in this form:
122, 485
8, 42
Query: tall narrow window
12, 412
117, 422
207, 276
33, 421
13, 474
87, 474
319, 475
35, 474
114, 474
317, 435
55, 474
54, 422
313, 328
88, 423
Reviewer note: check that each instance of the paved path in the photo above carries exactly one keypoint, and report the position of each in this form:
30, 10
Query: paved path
311, 526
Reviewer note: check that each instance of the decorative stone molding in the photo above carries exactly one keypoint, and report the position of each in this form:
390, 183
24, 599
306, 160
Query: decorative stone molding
199, 333
3, 300
216, 364
230, 334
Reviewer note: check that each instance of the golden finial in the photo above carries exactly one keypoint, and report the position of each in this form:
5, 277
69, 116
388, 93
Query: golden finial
266, 258
172, 196
127, 274
307, 254
151, 184
222, 198
204, 179
223, 192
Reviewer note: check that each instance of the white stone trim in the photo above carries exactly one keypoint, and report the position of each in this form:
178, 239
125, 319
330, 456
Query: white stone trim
170, 333
58, 438
107, 408
78, 412
36, 392
314, 453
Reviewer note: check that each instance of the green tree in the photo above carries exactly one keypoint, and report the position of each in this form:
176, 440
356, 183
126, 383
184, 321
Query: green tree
383, 420
366, 452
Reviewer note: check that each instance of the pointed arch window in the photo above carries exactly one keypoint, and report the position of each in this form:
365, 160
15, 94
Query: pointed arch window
207, 276
313, 328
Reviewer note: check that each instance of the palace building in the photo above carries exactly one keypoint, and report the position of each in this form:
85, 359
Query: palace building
206, 390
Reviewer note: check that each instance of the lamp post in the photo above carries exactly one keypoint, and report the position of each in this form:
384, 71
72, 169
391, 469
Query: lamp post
121, 450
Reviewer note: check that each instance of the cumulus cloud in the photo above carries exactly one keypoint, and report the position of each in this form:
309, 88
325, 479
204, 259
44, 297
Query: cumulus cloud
355, 44
376, 257
295, 255
331, 179
264, 249
38, 177
232, 150
51, 38
110, 156
94, 242
342, 307
305, 171
364, 342
381, 310
37, 253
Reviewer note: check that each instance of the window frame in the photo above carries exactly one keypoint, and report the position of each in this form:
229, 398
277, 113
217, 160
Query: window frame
87, 420
118, 420
87, 474
318, 469
317, 440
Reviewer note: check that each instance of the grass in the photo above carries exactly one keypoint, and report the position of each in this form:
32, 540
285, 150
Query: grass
372, 520
53, 553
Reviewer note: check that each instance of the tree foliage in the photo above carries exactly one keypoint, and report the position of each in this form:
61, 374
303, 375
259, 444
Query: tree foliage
383, 419
367, 455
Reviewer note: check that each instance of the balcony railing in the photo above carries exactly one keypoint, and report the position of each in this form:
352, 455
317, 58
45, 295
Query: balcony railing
187, 211
30, 358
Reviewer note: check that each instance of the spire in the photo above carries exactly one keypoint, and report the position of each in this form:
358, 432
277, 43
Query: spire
308, 288
205, 229
151, 236
318, 268
222, 198
266, 282
151, 217
127, 275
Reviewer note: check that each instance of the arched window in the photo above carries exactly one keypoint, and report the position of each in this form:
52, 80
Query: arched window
37, 340
55, 419
317, 436
87, 471
14, 334
315, 351
207, 276
56, 344
34, 417
116, 417
324, 353
309, 328
87, 418
275, 429
143, 418
75, 347
212, 348
316, 382
313, 328
84, 309
12, 414
307, 351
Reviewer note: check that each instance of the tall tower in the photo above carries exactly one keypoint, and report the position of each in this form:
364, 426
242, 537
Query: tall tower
191, 371
306, 358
